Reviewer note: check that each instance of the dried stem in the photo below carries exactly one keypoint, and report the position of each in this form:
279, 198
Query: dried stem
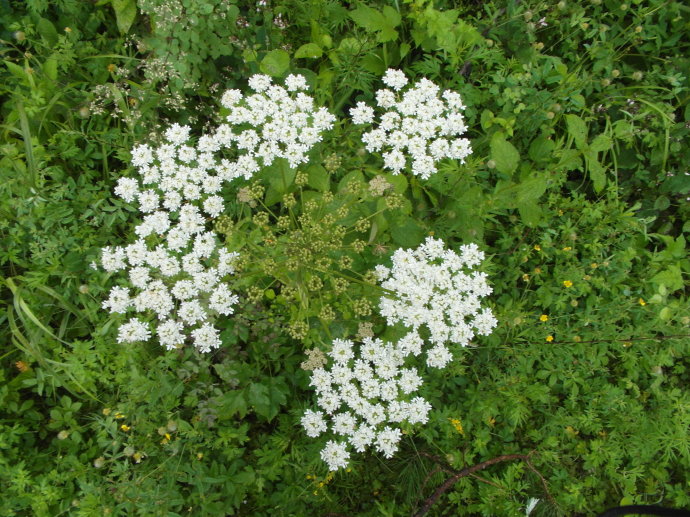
470, 471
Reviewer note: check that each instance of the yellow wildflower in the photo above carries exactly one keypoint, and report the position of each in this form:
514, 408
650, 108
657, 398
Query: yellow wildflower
543, 317
567, 283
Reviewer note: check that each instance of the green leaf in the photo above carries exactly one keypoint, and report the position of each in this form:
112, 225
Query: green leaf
504, 154
267, 399
125, 13
672, 278
597, 173
541, 148
407, 233
50, 68
232, 403
570, 160
383, 24
309, 50
577, 129
601, 143
47, 31
275, 63
318, 178
16, 71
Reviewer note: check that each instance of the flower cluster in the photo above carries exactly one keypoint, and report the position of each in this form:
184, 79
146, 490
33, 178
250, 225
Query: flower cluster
175, 263
368, 390
365, 390
437, 288
416, 124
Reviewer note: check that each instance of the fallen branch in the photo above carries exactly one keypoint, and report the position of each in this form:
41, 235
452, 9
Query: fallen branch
470, 471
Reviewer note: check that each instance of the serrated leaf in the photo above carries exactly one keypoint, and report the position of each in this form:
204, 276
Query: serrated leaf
601, 143
570, 160
383, 24
541, 148
504, 154
232, 403
125, 13
16, 71
308, 50
672, 278
275, 63
577, 129
267, 398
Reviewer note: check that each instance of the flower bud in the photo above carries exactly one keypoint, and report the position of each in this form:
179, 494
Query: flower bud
99, 462
19, 36
62, 435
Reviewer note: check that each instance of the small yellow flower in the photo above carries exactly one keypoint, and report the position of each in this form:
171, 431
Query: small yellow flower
21, 366
525, 277
543, 317
537, 270
537, 247
68, 30
125, 427
567, 283
567, 248
106, 411
200, 455
119, 415
642, 302
111, 68
549, 338
594, 265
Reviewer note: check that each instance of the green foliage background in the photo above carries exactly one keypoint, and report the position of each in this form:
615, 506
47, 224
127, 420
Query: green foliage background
578, 114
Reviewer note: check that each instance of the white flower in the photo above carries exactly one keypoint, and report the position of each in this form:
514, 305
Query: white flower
118, 301
341, 350
387, 441
206, 337
222, 300
133, 331
259, 82
113, 259
191, 312
363, 437
395, 79
127, 189
177, 135
344, 423
170, 334
362, 114
230, 98
295, 82
335, 455
413, 123
313, 423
